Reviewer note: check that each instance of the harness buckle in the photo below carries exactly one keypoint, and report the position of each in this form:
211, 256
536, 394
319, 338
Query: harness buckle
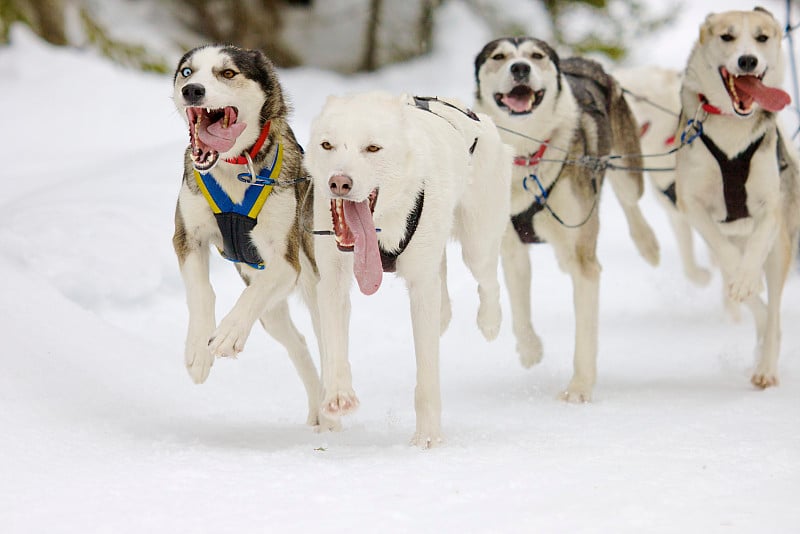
251, 178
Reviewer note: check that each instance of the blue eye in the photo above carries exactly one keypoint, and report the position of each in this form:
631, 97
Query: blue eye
186, 72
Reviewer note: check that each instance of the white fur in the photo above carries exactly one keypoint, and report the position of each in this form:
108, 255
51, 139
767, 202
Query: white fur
761, 244
466, 196
555, 119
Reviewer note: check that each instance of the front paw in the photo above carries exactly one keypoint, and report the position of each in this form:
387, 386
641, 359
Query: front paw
228, 339
744, 284
341, 402
489, 318
577, 392
198, 359
764, 376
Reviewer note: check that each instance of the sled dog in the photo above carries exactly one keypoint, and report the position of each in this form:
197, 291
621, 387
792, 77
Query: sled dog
738, 180
242, 180
394, 178
566, 114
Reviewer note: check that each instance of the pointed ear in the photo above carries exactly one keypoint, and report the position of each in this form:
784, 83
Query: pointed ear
705, 29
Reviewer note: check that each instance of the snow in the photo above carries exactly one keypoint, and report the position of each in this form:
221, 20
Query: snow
103, 430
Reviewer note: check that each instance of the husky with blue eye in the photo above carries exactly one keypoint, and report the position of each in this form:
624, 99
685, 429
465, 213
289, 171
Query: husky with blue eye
243, 183
561, 116
738, 180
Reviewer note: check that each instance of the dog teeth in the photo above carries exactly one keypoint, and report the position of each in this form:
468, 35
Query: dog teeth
225, 121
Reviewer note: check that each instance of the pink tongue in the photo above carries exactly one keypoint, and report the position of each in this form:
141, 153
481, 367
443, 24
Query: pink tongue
219, 138
519, 105
367, 262
770, 98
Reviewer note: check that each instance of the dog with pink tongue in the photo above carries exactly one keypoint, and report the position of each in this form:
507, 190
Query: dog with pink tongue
394, 178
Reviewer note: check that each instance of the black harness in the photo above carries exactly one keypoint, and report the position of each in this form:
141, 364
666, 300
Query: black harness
389, 259
734, 177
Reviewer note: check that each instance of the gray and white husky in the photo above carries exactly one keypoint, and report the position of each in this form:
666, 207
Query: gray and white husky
242, 183
563, 111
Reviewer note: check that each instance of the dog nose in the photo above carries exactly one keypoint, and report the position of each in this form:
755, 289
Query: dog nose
193, 93
340, 184
520, 70
748, 63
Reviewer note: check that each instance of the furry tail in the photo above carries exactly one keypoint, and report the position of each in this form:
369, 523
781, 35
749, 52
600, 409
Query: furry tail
629, 187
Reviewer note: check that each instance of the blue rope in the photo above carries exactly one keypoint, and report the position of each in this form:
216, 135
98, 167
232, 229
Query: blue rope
539, 198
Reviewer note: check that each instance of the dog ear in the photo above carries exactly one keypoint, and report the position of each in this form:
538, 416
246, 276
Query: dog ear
705, 28
763, 10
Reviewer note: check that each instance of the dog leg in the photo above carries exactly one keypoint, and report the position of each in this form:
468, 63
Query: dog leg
585, 297
427, 395
683, 236
746, 278
517, 272
777, 267
480, 253
264, 291
333, 298
201, 300
278, 323
447, 309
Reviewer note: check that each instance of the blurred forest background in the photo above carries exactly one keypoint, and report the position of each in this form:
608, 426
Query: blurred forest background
341, 35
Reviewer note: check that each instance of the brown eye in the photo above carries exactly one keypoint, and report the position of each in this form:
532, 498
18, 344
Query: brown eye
326, 145
498, 57
228, 73
726, 37
373, 148
762, 38
537, 55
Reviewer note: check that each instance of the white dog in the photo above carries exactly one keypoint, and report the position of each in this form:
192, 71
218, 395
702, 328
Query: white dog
420, 170
738, 181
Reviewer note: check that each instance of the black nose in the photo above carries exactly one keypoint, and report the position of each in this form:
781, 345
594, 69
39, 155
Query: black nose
748, 63
193, 93
520, 71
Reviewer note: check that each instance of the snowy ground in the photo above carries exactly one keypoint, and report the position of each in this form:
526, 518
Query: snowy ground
103, 430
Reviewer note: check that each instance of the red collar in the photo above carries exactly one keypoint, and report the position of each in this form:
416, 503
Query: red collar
707, 107
241, 160
533, 159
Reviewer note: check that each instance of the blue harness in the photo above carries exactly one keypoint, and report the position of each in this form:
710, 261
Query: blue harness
236, 221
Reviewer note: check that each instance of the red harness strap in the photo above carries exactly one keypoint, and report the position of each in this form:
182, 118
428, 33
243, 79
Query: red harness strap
533, 159
241, 160
707, 107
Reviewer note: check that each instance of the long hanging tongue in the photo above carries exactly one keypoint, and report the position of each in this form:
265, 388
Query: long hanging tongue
770, 98
367, 262
222, 134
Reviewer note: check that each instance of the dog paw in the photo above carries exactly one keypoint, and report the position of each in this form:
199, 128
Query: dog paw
530, 350
228, 340
764, 376
321, 422
339, 404
646, 244
698, 276
744, 284
426, 440
489, 319
577, 392
198, 360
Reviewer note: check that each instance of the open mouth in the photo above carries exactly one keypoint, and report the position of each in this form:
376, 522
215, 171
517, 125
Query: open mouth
345, 239
521, 100
212, 132
746, 90
355, 231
